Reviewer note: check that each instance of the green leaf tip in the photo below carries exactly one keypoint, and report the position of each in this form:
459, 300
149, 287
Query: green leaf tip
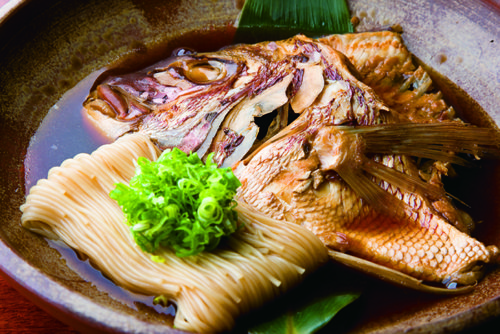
178, 202
309, 318
279, 19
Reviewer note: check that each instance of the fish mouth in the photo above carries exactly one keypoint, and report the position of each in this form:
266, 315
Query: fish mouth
117, 105
114, 112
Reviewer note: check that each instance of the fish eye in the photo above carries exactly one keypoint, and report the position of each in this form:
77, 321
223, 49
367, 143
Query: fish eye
179, 52
206, 71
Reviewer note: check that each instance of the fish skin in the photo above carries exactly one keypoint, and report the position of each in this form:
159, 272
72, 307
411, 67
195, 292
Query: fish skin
300, 167
424, 245
383, 62
282, 177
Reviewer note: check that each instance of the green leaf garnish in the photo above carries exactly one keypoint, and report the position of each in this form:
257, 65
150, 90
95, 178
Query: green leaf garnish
179, 202
309, 318
262, 20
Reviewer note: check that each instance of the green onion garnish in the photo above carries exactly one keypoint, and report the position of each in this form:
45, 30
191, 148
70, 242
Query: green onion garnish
179, 202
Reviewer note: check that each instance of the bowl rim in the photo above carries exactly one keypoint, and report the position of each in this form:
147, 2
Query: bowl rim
85, 315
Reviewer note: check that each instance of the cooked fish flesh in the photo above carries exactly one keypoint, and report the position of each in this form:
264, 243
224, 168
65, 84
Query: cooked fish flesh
344, 168
342, 184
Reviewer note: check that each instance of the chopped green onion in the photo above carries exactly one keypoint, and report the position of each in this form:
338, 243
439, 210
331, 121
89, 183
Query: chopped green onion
160, 300
179, 202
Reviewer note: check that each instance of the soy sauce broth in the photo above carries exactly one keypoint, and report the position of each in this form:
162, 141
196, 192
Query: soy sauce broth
65, 132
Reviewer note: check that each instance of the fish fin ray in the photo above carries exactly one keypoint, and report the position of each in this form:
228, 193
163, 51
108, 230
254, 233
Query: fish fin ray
373, 194
436, 141
403, 181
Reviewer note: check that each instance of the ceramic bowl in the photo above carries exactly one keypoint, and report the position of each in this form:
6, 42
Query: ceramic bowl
48, 47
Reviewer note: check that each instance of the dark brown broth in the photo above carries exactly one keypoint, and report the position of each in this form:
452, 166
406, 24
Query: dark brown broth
64, 133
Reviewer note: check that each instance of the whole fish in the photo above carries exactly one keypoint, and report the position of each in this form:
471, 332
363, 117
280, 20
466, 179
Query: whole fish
337, 155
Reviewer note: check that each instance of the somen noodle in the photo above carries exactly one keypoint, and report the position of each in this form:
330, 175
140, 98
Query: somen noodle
260, 261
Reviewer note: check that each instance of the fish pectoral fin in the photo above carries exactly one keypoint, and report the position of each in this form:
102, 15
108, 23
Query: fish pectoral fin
343, 149
408, 183
375, 196
436, 141
343, 152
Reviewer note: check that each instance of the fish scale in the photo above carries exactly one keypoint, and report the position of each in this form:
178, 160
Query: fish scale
383, 240
419, 243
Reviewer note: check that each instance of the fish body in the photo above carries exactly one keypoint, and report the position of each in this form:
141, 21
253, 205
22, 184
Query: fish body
308, 177
343, 168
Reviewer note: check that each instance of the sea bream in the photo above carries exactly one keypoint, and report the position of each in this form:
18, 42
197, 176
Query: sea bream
337, 156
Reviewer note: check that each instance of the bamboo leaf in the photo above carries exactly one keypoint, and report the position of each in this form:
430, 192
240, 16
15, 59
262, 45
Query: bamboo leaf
309, 318
279, 19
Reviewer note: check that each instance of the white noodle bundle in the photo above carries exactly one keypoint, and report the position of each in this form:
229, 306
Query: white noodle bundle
261, 261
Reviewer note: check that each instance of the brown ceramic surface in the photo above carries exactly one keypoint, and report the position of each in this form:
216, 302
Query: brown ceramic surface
48, 47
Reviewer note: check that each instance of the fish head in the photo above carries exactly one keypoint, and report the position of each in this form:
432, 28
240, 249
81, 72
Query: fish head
183, 101
215, 101
122, 103
203, 102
